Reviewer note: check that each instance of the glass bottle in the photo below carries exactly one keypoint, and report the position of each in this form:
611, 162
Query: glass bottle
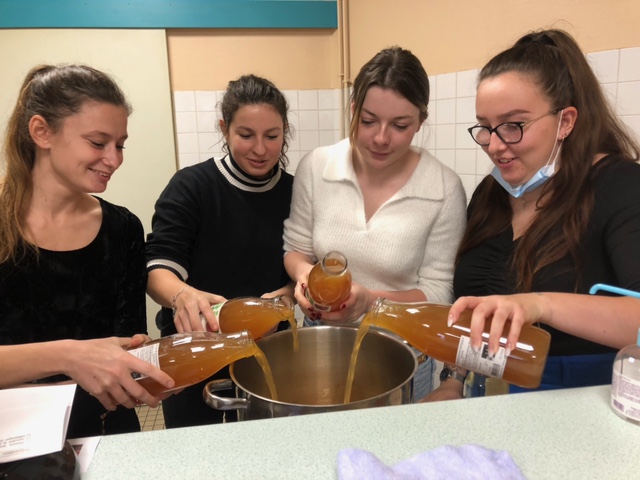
625, 383
192, 357
424, 326
329, 283
256, 315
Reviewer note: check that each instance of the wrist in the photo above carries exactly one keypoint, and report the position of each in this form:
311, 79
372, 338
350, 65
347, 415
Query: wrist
175, 298
62, 356
543, 301
452, 372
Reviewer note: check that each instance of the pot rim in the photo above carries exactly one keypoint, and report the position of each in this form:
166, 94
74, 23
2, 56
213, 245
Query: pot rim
372, 330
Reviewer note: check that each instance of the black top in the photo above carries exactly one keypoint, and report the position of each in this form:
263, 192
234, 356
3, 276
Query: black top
610, 246
221, 231
94, 292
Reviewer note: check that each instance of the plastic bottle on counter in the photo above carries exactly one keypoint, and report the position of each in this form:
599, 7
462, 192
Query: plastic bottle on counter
625, 383
424, 326
329, 283
256, 315
192, 357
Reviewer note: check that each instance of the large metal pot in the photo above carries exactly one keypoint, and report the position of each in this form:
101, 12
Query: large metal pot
312, 380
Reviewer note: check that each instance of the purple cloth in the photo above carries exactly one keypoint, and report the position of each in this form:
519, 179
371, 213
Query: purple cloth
467, 462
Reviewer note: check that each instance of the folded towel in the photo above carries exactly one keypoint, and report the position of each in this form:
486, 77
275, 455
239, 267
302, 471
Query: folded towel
468, 462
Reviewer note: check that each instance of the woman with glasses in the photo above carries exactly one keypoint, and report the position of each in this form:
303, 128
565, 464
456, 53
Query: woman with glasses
559, 213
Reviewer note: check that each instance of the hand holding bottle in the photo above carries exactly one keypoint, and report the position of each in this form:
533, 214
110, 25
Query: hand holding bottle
357, 304
519, 310
191, 306
103, 368
321, 287
427, 327
329, 283
192, 357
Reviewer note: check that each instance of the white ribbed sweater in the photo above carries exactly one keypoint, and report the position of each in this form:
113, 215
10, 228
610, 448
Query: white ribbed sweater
410, 242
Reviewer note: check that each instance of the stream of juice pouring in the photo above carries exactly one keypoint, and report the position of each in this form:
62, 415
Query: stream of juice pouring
266, 368
362, 330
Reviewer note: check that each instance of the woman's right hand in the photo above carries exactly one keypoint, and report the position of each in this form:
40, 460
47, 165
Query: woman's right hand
191, 306
103, 368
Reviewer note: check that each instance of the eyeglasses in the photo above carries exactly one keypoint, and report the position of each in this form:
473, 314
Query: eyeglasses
508, 132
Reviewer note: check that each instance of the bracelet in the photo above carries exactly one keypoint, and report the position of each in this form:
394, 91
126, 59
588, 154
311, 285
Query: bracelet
175, 297
452, 371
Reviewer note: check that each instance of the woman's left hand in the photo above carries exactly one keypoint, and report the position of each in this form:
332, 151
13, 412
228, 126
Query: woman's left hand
518, 310
358, 303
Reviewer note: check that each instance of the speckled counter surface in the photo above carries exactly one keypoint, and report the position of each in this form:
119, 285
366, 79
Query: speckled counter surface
567, 434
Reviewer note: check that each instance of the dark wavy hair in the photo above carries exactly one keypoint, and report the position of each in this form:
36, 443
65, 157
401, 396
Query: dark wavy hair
554, 62
254, 90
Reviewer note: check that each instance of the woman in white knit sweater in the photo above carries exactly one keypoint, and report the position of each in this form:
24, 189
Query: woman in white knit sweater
394, 211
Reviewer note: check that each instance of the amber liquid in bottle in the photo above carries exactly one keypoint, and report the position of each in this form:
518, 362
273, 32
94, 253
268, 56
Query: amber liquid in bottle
424, 326
256, 315
329, 282
192, 357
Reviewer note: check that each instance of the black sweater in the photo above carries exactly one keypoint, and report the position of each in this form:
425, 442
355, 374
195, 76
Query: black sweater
221, 231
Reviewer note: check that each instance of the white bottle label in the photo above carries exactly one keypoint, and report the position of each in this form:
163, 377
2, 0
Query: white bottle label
216, 313
625, 393
479, 362
149, 354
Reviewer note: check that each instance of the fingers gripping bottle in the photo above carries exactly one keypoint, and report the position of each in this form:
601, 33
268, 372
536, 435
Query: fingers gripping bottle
424, 326
192, 357
329, 282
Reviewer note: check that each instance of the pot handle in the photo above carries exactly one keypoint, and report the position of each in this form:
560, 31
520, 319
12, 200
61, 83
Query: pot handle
221, 403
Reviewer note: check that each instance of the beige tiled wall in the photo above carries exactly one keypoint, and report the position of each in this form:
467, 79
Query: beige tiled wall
315, 116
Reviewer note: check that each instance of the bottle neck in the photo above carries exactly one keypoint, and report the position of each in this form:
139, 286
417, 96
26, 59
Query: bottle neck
334, 264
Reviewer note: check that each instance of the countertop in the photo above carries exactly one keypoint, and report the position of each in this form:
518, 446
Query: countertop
563, 434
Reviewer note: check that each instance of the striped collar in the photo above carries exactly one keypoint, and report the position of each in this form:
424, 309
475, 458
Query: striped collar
236, 177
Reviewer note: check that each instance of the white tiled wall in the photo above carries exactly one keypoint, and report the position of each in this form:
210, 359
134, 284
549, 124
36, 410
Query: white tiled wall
315, 116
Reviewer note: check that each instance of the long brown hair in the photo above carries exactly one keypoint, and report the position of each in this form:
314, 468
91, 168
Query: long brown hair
396, 69
55, 92
552, 60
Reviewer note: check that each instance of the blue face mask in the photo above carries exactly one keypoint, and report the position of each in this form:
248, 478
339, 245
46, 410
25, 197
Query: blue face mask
538, 178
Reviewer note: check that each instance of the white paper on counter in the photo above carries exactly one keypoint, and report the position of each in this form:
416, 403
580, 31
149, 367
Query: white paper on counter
34, 420
84, 447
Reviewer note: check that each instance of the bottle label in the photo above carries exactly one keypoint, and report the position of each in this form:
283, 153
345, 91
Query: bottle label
317, 306
216, 313
625, 394
480, 362
149, 354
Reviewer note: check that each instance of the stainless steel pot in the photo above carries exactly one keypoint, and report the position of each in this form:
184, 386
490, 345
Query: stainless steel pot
312, 380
